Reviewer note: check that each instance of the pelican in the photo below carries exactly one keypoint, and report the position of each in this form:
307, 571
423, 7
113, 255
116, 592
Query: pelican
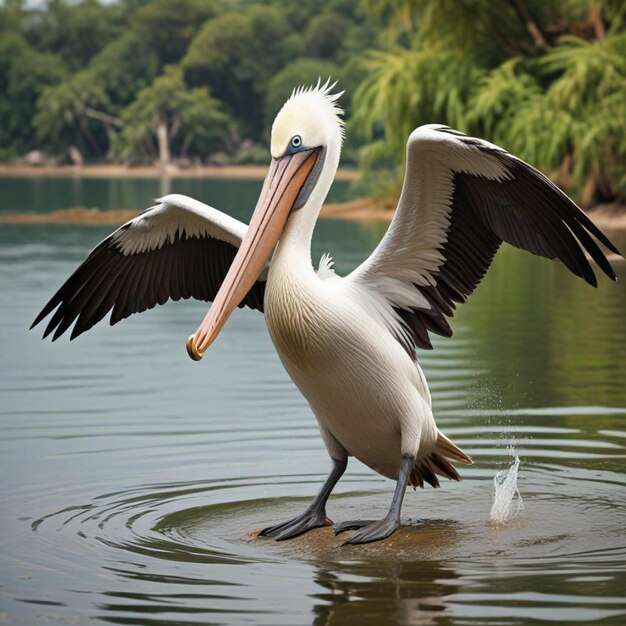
349, 343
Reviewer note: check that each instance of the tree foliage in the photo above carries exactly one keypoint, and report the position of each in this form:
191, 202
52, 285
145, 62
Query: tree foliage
546, 80
168, 26
24, 75
324, 36
237, 54
68, 113
165, 115
95, 62
135, 79
77, 32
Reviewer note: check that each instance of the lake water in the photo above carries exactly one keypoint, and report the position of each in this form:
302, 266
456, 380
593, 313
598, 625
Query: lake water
132, 476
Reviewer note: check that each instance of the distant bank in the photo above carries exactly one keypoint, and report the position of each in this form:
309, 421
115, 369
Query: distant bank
612, 216
248, 172
609, 216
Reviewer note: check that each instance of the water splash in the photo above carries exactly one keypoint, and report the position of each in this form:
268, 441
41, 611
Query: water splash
507, 500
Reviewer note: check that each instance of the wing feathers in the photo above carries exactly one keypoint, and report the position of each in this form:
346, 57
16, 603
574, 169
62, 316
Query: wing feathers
177, 249
462, 197
536, 217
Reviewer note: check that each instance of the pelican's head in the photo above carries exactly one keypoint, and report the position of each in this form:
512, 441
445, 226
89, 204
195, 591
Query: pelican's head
305, 146
310, 119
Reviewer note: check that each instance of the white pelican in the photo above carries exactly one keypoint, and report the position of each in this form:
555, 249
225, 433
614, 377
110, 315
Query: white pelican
349, 343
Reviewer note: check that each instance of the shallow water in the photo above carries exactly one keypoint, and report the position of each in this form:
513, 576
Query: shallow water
133, 477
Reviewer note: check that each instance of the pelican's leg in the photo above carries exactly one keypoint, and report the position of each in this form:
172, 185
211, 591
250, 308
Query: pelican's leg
315, 514
376, 530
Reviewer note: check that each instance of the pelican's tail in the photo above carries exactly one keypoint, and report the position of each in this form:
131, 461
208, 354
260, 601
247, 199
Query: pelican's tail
438, 462
447, 449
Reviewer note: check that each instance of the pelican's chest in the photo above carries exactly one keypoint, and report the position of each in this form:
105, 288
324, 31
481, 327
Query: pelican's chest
290, 317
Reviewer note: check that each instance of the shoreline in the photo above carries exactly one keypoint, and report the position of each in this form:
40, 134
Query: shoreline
609, 216
236, 172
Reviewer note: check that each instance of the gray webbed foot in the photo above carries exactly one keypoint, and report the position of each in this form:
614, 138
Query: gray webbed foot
374, 531
314, 516
351, 525
296, 526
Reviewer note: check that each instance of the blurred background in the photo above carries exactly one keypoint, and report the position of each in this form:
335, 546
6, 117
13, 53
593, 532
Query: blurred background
187, 82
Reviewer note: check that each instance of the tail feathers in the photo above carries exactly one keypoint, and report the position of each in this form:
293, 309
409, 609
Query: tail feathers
438, 462
447, 449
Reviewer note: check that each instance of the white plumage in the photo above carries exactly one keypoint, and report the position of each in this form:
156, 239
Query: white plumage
349, 344
173, 216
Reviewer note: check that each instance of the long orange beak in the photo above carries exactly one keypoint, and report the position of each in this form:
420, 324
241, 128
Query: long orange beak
285, 180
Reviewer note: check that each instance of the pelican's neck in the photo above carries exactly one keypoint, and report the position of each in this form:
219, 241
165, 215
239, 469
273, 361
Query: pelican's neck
294, 248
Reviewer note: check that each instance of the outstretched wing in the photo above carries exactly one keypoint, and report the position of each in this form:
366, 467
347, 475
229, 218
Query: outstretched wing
180, 248
462, 197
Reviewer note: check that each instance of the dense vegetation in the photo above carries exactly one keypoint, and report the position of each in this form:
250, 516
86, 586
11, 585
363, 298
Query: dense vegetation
145, 80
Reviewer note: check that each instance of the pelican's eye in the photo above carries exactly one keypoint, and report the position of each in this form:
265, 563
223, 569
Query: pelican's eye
296, 142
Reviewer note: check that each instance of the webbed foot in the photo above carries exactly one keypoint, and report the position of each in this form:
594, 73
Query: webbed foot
351, 525
371, 531
297, 526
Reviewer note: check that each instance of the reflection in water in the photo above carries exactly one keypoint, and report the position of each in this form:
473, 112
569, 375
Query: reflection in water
165, 186
132, 476
186, 548
400, 593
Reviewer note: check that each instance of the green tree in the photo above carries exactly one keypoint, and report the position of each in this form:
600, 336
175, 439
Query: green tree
165, 114
85, 109
24, 75
509, 71
237, 54
77, 31
73, 113
575, 126
166, 27
13, 14
324, 36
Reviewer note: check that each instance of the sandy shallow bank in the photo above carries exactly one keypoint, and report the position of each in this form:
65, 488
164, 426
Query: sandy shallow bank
608, 217
611, 216
249, 172
352, 210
